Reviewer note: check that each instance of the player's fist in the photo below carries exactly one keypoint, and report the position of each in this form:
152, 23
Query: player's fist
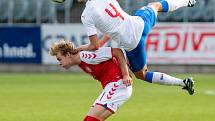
127, 80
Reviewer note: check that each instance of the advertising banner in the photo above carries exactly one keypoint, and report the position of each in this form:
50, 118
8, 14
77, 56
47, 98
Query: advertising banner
20, 44
180, 43
175, 43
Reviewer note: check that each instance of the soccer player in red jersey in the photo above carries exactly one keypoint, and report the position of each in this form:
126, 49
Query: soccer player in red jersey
108, 66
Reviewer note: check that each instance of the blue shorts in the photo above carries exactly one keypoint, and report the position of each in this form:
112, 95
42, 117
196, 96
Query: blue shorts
137, 56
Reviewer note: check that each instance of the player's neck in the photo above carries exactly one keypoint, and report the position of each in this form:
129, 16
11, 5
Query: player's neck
77, 59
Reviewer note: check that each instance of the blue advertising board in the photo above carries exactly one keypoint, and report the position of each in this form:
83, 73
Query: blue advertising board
20, 44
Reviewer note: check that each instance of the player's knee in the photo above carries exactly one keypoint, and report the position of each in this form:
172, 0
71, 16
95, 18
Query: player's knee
156, 6
141, 74
90, 118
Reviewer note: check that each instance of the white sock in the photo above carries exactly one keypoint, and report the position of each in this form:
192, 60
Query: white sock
164, 79
175, 4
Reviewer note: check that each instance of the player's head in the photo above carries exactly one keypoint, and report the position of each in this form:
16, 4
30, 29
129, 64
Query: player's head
64, 52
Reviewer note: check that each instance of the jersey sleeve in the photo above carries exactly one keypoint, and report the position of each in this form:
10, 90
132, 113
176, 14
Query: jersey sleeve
96, 57
88, 22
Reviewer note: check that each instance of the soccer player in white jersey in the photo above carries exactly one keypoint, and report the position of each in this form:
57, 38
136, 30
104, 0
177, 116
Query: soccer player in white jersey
107, 65
130, 32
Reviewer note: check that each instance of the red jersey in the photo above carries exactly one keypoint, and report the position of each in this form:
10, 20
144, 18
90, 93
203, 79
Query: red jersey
101, 65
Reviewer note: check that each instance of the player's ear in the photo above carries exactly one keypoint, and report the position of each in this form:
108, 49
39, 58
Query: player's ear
67, 54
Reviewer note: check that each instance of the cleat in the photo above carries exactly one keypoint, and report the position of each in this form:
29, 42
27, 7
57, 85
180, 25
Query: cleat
191, 3
189, 85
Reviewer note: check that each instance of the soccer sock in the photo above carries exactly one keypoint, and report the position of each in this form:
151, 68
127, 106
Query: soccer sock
163, 79
90, 118
172, 5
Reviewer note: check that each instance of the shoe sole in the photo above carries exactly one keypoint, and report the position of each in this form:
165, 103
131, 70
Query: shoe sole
191, 87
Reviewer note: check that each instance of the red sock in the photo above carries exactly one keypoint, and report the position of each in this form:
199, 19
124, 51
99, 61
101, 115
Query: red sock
90, 118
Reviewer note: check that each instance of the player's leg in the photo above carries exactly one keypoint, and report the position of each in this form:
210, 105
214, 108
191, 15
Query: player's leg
98, 113
138, 65
172, 5
165, 79
113, 96
158, 78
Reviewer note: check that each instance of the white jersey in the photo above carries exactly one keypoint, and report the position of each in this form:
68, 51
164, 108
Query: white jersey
109, 18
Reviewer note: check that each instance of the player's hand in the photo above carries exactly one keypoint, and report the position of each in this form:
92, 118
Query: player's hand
82, 47
127, 80
87, 47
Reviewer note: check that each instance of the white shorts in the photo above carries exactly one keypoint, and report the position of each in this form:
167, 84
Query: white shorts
114, 95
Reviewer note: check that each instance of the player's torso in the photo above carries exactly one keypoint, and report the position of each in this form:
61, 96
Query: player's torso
101, 65
106, 14
109, 18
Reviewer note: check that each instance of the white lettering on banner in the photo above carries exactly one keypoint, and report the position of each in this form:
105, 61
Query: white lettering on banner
182, 43
17, 52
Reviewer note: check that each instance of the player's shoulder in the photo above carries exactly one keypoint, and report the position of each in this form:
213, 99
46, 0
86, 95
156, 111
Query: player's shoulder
103, 51
100, 50
104, 48
88, 11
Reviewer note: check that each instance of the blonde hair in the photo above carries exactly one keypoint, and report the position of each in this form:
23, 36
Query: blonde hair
63, 47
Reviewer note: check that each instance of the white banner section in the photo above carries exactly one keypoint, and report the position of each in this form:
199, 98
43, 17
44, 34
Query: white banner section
175, 43
180, 43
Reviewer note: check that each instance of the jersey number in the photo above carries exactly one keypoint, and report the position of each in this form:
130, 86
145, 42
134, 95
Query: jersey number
115, 14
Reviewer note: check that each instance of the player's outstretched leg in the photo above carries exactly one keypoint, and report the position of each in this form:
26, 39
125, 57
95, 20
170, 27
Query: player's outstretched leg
189, 85
172, 5
165, 79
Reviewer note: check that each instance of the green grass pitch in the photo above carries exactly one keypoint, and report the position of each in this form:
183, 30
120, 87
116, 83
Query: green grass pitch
68, 97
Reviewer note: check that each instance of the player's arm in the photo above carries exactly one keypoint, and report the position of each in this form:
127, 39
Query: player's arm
95, 43
123, 65
104, 40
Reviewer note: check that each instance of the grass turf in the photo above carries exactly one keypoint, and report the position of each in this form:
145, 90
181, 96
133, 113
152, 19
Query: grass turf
68, 97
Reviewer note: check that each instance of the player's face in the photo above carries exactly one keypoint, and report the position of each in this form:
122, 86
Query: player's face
64, 60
